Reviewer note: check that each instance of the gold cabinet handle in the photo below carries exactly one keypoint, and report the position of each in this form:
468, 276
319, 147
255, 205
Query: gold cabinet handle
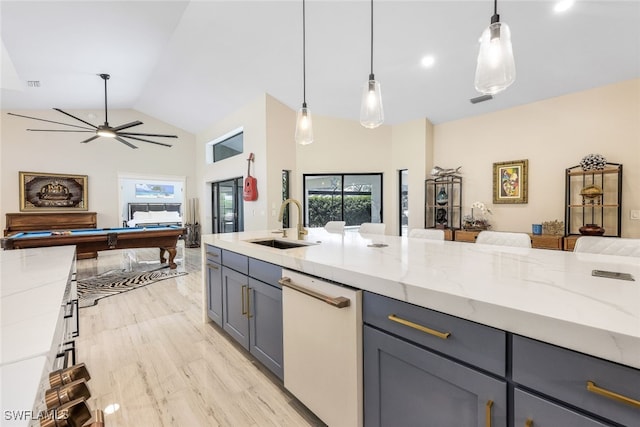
593, 388
243, 300
488, 413
249, 316
443, 335
212, 254
338, 302
528, 423
213, 266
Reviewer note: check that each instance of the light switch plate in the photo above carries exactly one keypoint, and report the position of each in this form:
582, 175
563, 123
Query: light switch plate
635, 215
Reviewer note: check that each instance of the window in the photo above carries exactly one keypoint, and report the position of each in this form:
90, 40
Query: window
228, 146
353, 198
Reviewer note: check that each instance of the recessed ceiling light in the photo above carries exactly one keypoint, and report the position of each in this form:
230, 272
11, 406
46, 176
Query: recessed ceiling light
563, 5
428, 61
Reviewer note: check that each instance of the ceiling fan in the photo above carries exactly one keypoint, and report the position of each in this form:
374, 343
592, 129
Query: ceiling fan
105, 129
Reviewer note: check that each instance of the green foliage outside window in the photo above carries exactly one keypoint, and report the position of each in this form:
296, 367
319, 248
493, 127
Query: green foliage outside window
325, 208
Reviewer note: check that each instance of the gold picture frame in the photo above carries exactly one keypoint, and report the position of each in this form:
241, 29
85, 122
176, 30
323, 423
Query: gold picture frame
510, 181
52, 192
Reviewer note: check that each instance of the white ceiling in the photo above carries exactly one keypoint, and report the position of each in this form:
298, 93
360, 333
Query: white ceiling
190, 63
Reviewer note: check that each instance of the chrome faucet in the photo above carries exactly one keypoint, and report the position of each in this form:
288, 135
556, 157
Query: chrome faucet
301, 230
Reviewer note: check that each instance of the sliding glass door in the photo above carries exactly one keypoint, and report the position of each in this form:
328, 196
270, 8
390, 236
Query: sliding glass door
228, 216
353, 198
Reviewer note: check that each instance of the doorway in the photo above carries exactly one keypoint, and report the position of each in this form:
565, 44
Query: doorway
228, 215
403, 202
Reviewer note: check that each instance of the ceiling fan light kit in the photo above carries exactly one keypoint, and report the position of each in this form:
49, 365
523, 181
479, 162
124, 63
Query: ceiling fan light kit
496, 69
104, 130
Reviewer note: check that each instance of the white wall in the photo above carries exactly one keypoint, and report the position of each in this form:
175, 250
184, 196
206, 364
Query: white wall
252, 119
102, 160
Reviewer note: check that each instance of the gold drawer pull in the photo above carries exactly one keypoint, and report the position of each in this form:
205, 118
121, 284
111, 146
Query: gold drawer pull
488, 412
338, 302
212, 266
592, 387
212, 254
528, 423
443, 335
243, 300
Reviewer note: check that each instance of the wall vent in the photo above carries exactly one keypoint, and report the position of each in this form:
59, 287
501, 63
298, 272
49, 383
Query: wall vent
33, 83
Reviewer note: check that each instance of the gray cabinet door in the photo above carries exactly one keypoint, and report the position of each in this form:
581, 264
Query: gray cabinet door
534, 411
235, 288
406, 385
214, 292
265, 326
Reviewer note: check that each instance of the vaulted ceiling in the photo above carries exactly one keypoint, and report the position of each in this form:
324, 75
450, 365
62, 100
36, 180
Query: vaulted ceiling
190, 63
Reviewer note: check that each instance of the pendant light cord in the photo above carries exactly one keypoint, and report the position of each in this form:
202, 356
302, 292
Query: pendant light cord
304, 58
495, 18
371, 38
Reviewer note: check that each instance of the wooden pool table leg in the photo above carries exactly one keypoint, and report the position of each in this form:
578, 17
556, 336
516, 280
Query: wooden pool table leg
172, 255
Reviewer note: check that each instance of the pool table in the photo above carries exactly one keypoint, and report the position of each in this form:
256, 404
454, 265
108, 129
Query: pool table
91, 240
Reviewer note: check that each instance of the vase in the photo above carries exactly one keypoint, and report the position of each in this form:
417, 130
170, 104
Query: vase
442, 197
591, 230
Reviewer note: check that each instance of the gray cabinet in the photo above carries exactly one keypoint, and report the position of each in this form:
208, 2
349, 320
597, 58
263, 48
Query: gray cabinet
533, 411
235, 301
251, 302
214, 284
407, 385
600, 389
265, 325
413, 377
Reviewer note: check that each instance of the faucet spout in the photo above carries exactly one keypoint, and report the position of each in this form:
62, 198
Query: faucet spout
301, 230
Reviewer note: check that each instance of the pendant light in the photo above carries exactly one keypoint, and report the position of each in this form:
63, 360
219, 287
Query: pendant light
496, 69
304, 127
371, 112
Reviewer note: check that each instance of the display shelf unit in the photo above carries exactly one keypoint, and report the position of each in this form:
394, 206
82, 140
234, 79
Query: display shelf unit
593, 197
443, 202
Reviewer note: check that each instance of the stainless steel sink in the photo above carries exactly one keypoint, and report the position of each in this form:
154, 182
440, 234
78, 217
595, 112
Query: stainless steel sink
280, 243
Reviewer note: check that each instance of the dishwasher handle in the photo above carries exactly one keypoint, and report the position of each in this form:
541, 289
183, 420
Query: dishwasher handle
338, 302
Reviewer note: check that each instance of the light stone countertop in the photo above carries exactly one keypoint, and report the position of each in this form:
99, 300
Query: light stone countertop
542, 294
32, 286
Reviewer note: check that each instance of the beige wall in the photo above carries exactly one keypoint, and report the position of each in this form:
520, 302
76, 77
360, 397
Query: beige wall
344, 146
553, 135
412, 149
102, 159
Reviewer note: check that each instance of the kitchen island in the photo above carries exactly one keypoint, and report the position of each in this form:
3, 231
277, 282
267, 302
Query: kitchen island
548, 296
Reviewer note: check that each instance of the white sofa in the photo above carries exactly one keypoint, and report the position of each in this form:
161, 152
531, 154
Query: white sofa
141, 218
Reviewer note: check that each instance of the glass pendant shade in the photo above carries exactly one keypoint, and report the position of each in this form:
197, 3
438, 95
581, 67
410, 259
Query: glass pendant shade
496, 69
304, 126
371, 112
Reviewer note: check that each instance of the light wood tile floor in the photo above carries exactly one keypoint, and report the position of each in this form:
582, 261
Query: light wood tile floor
148, 351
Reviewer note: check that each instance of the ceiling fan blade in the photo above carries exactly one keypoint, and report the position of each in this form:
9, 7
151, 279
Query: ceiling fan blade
148, 134
146, 140
90, 139
77, 118
61, 130
49, 121
128, 125
126, 142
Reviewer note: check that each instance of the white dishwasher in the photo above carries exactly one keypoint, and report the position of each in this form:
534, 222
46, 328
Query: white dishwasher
322, 338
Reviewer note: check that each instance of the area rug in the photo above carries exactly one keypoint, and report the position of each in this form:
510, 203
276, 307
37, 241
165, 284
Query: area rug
114, 282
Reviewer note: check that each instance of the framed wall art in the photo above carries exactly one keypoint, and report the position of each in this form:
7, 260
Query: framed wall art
52, 192
510, 181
